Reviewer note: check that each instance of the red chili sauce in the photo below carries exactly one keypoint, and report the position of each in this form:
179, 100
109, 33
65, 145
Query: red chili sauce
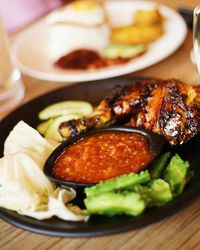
81, 59
103, 156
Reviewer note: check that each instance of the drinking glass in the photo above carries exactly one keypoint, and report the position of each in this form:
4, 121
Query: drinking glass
11, 85
196, 37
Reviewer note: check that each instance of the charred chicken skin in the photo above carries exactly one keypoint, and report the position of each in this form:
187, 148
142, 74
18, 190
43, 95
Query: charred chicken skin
170, 108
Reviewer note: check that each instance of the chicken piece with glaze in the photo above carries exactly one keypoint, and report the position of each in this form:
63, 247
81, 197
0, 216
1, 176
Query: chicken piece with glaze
170, 108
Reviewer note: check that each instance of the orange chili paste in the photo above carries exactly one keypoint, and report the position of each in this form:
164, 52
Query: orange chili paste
87, 59
102, 156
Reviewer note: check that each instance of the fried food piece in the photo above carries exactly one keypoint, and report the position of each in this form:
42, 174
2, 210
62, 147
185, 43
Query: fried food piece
172, 110
147, 28
135, 34
120, 102
166, 107
148, 18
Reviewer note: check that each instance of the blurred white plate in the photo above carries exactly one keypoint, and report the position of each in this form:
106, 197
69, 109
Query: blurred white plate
192, 56
35, 50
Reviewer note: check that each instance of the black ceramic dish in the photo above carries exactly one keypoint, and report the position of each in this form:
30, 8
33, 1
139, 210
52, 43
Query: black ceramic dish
97, 225
155, 143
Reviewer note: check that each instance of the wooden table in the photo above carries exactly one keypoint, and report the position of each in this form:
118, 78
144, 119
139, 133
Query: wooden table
181, 231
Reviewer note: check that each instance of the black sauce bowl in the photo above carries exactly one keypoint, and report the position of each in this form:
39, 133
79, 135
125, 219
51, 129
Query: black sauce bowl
155, 143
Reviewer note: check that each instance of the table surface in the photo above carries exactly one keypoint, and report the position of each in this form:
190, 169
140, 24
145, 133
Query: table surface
180, 231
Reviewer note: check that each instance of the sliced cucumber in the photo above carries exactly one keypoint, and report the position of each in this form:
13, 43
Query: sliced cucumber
52, 130
123, 51
66, 107
42, 127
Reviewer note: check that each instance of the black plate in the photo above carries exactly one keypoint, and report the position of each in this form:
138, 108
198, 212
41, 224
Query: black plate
97, 225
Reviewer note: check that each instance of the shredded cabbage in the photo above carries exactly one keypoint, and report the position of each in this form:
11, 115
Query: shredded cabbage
23, 186
24, 138
56, 207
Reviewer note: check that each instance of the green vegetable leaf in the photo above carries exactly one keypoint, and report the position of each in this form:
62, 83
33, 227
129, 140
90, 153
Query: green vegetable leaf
110, 203
125, 51
177, 174
159, 165
119, 183
156, 194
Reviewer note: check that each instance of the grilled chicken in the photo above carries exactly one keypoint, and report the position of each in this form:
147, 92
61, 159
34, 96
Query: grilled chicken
167, 107
171, 110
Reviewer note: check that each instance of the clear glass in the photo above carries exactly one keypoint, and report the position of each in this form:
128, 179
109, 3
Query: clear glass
11, 85
196, 37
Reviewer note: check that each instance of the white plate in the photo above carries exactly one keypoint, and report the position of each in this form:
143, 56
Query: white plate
35, 50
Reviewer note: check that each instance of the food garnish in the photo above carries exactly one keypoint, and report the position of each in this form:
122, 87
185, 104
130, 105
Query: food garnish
64, 108
124, 51
111, 204
133, 193
23, 186
159, 165
116, 184
177, 174
57, 113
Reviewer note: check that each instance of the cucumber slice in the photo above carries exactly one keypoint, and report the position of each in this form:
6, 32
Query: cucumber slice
123, 51
66, 107
42, 127
52, 130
